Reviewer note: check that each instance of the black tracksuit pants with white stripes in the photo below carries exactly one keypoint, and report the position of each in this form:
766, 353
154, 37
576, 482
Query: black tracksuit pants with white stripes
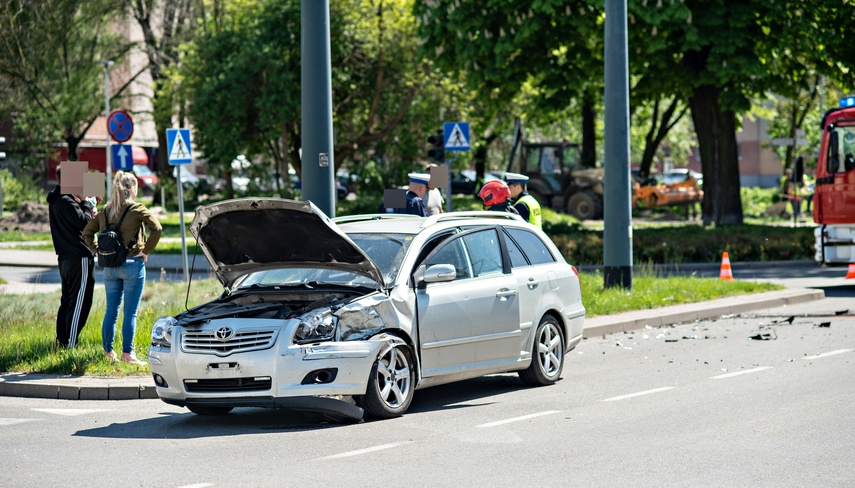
77, 286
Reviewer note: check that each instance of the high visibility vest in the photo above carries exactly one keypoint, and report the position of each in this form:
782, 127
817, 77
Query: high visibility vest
534, 217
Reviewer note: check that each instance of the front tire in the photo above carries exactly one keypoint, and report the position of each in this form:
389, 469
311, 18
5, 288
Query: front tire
585, 205
391, 384
547, 355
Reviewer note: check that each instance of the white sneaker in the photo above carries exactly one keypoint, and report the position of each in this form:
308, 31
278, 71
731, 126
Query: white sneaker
132, 359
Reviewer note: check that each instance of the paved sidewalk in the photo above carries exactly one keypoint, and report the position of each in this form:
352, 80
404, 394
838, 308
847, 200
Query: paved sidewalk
142, 387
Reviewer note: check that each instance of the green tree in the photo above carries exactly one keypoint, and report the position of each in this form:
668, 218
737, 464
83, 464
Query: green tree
49, 71
724, 54
165, 24
243, 77
506, 48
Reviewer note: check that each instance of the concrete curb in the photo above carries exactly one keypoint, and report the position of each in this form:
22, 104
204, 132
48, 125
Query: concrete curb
67, 387
638, 319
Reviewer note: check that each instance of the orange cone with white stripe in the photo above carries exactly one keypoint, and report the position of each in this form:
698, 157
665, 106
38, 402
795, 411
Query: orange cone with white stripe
850, 275
725, 273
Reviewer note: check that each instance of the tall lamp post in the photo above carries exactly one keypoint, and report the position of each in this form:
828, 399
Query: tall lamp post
106, 64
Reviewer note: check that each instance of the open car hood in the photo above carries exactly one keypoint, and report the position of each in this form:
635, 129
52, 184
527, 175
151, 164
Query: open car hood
245, 235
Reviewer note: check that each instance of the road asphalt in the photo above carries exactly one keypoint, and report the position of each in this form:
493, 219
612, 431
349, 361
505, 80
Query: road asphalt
35, 385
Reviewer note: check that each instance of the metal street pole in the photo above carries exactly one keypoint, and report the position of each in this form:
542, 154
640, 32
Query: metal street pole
106, 64
316, 102
177, 168
617, 233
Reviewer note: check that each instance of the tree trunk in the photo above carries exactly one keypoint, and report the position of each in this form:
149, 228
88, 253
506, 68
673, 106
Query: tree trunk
73, 143
480, 157
660, 126
589, 134
716, 132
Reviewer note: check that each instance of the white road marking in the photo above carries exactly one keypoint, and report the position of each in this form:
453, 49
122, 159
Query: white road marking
4, 422
826, 354
70, 412
517, 419
647, 392
365, 451
737, 373
197, 485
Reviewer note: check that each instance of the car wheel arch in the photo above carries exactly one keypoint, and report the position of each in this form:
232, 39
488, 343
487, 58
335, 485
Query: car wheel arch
408, 341
555, 314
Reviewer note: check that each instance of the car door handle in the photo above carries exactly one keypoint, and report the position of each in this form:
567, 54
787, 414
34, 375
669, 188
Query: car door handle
532, 283
504, 294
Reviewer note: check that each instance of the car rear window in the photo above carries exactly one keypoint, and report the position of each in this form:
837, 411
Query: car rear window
534, 249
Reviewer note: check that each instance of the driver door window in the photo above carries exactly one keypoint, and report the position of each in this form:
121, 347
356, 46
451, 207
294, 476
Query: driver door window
454, 254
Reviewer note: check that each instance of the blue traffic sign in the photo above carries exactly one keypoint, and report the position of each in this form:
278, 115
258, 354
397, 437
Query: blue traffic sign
178, 146
123, 157
456, 136
120, 126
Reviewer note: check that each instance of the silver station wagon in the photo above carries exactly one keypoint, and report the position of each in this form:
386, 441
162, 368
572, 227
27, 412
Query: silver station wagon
348, 317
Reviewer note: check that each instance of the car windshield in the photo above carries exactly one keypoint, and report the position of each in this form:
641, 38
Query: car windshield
386, 250
142, 170
309, 277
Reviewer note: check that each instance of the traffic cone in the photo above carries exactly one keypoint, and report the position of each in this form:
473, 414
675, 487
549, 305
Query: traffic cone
725, 273
850, 275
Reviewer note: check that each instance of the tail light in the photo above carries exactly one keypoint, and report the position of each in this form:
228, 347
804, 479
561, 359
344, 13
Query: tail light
575, 271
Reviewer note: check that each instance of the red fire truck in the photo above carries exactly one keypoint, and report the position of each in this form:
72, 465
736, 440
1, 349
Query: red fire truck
834, 194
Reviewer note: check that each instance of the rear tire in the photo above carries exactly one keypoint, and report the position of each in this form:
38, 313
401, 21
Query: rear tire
391, 384
547, 355
209, 411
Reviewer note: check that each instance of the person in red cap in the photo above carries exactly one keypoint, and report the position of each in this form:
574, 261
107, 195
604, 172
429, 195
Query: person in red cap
496, 197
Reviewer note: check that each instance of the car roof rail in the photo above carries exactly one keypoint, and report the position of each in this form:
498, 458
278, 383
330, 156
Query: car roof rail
470, 214
367, 217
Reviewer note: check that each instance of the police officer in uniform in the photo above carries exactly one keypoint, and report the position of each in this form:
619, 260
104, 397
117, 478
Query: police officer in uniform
416, 190
525, 204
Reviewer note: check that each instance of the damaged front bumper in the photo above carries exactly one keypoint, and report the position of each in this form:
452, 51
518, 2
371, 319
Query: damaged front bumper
279, 374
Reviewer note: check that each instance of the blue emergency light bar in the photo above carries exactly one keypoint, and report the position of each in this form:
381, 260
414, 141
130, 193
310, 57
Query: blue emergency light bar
847, 102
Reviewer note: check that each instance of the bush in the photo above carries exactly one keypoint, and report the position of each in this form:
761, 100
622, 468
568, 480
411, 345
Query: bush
18, 190
677, 245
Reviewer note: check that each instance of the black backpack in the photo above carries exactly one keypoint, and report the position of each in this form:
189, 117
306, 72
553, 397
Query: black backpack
111, 249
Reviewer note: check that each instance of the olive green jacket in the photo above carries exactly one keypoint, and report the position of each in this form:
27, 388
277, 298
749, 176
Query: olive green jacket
136, 221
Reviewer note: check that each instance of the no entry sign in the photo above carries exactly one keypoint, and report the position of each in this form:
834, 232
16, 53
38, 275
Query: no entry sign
120, 126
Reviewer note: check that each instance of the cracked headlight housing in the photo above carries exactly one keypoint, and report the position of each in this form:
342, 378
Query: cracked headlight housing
315, 325
161, 331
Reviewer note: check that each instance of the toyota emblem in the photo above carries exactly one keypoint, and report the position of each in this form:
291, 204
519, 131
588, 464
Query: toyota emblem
224, 333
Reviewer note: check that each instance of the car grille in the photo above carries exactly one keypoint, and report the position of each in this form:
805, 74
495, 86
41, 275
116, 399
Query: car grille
228, 385
243, 340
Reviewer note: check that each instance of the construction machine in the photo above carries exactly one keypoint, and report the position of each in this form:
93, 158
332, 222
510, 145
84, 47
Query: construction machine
558, 178
686, 192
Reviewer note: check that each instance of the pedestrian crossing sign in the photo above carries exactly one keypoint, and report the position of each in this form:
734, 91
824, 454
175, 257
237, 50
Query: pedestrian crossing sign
178, 146
456, 136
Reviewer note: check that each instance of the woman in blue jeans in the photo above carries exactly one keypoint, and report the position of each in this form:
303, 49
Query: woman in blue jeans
128, 280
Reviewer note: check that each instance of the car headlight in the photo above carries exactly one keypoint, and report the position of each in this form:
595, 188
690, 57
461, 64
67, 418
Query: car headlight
161, 331
315, 325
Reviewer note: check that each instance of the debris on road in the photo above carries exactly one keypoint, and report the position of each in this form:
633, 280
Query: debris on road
764, 336
823, 324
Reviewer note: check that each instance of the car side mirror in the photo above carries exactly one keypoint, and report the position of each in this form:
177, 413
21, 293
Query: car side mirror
438, 273
834, 159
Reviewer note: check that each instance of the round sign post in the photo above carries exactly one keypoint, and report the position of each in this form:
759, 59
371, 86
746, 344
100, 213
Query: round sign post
120, 126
